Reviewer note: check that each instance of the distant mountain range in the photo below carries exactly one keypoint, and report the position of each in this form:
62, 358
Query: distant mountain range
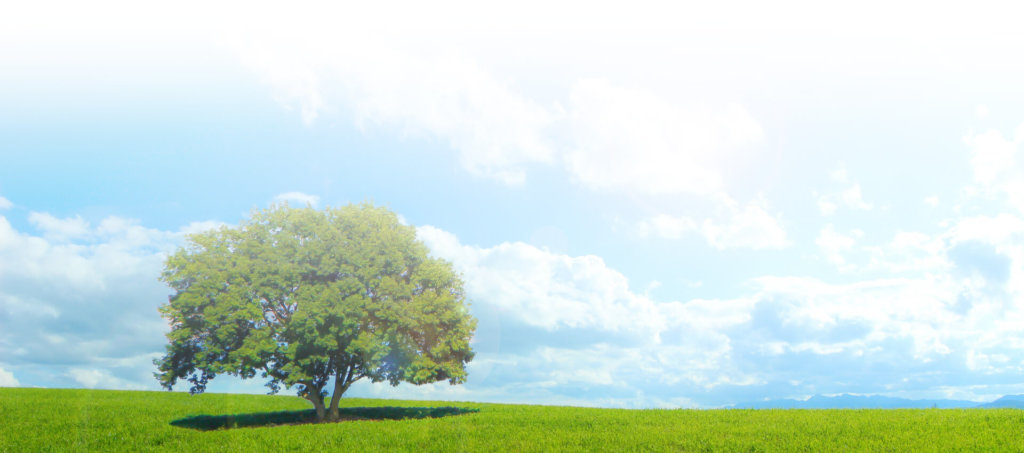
1014, 401
878, 402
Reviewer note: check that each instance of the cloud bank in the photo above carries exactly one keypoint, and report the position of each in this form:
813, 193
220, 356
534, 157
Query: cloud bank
940, 322
79, 301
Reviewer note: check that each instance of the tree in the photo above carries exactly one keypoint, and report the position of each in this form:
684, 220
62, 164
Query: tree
301, 296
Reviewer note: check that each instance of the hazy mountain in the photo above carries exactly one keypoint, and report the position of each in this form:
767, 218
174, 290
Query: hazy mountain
1013, 401
868, 402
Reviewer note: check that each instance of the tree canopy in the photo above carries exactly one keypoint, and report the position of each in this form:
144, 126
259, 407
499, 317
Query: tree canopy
302, 296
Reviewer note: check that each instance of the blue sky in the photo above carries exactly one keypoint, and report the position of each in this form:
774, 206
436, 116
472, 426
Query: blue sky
685, 206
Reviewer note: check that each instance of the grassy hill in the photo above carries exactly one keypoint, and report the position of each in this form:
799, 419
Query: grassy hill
99, 420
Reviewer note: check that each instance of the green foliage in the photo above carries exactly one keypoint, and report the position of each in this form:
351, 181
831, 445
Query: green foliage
301, 296
98, 420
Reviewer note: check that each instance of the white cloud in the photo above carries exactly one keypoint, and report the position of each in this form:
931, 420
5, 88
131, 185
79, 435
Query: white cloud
839, 175
834, 245
545, 289
906, 252
674, 343
920, 316
883, 310
475, 89
294, 82
606, 137
997, 169
98, 378
955, 300
7, 379
992, 156
932, 201
827, 206
634, 140
943, 319
581, 297
665, 226
853, 200
849, 197
297, 198
83, 298
1001, 228
60, 229
5, 203
749, 226
496, 131
911, 252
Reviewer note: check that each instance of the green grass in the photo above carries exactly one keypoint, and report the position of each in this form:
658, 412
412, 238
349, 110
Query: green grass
95, 420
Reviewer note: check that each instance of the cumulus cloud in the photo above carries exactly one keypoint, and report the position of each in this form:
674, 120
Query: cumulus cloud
748, 227
666, 226
850, 197
735, 227
568, 323
297, 198
954, 298
775, 333
5, 203
101, 378
81, 298
996, 165
7, 379
545, 289
834, 244
930, 318
61, 229
948, 298
807, 310
990, 245
992, 156
827, 206
853, 199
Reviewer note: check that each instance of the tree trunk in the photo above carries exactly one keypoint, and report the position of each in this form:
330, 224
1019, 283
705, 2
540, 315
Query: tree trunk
341, 383
318, 404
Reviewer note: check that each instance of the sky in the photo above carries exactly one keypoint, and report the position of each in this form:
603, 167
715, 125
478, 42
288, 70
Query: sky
652, 205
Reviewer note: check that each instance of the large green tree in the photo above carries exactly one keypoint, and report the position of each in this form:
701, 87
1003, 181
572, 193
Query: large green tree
302, 296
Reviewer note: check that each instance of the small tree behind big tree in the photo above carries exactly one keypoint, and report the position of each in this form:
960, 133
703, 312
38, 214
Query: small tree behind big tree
304, 297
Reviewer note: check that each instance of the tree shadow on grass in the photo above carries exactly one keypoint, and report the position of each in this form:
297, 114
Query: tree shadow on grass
211, 422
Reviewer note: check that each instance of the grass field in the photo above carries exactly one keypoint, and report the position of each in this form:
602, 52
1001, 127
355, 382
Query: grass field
99, 420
